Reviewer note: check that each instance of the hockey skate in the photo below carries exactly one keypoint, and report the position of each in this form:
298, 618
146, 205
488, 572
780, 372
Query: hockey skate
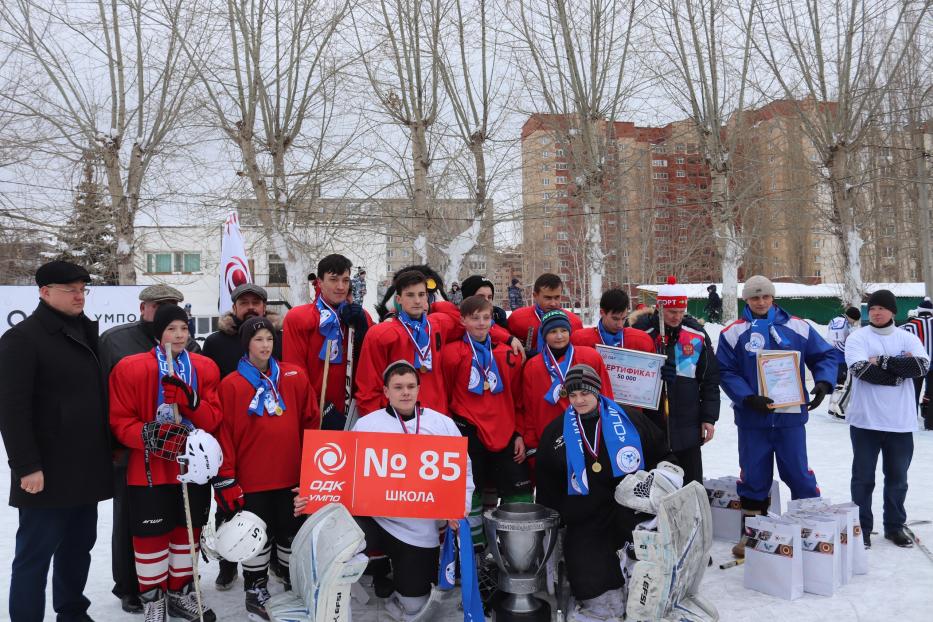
183, 605
401, 609
153, 605
257, 596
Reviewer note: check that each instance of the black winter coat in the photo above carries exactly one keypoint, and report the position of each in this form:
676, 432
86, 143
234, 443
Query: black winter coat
694, 397
224, 348
54, 415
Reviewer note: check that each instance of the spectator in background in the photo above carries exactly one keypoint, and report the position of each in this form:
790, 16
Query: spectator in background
477, 285
516, 298
313, 289
358, 285
456, 296
713, 305
921, 325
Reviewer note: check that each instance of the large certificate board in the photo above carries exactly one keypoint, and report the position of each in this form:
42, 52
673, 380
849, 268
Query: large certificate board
779, 377
635, 376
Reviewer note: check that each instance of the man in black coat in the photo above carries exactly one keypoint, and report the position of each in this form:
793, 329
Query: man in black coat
115, 344
223, 346
57, 437
691, 380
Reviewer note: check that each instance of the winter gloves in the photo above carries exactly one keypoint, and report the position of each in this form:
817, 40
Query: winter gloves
759, 403
819, 392
643, 491
176, 391
228, 494
668, 372
164, 439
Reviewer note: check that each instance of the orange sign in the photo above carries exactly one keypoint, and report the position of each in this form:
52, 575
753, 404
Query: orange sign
382, 474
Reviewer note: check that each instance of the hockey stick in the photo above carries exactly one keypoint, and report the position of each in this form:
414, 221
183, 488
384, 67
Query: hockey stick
349, 404
187, 504
667, 389
920, 545
320, 407
732, 564
912, 523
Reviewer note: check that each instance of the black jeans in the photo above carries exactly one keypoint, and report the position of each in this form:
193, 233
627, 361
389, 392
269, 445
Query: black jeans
66, 535
897, 449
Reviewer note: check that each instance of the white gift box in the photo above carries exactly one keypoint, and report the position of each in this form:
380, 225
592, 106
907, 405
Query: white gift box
726, 508
856, 542
822, 554
773, 557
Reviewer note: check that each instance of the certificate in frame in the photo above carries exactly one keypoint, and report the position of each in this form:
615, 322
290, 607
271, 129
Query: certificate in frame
779, 378
635, 376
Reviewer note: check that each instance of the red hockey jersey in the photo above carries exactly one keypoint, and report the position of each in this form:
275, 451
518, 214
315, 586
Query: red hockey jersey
134, 391
524, 322
632, 339
535, 384
264, 453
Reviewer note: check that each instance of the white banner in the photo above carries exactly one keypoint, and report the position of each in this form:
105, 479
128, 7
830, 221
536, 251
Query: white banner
109, 305
234, 270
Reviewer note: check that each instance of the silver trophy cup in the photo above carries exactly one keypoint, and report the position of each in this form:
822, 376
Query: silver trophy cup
521, 537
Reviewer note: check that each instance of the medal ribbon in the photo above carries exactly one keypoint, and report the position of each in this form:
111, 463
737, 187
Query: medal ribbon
184, 370
623, 444
557, 371
330, 330
423, 329
267, 397
484, 367
593, 449
610, 339
401, 421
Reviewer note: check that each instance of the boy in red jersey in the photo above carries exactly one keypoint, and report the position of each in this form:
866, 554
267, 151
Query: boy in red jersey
525, 322
142, 398
611, 329
267, 406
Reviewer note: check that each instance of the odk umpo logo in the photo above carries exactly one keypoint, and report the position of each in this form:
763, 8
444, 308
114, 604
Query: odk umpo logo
329, 458
235, 273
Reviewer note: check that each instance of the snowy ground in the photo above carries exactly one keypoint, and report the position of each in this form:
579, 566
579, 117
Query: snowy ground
896, 588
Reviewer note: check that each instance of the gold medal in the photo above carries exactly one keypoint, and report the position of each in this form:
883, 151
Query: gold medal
597, 467
485, 386
423, 369
278, 411
563, 392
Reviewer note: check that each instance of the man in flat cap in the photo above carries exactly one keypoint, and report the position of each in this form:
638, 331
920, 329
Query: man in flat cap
57, 436
115, 344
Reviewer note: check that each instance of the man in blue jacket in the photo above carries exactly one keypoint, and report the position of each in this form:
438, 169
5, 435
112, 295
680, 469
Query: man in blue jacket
766, 432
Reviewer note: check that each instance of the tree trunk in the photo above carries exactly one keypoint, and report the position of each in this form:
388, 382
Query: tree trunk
421, 164
844, 217
594, 251
467, 240
729, 242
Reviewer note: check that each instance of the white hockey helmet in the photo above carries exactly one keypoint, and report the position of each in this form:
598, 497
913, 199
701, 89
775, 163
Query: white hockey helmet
201, 459
240, 538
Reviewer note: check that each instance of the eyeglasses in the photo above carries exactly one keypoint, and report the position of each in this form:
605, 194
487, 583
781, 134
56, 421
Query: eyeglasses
84, 291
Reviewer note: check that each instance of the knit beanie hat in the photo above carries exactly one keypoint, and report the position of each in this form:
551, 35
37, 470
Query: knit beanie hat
883, 298
672, 295
583, 378
554, 319
854, 314
926, 306
471, 285
250, 327
165, 315
757, 286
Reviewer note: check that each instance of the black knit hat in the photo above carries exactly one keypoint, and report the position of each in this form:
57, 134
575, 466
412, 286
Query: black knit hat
583, 378
471, 285
250, 327
853, 314
883, 298
165, 315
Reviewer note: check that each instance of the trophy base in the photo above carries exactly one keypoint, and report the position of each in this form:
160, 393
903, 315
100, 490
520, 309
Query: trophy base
534, 610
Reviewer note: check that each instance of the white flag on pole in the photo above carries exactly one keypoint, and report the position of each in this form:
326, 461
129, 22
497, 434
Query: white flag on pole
234, 270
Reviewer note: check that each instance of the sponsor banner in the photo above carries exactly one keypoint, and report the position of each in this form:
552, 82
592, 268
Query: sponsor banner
109, 305
384, 474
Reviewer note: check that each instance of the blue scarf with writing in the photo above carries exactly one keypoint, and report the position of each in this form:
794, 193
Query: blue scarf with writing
557, 371
329, 327
484, 368
420, 331
184, 370
762, 331
447, 574
267, 398
623, 445
539, 338
610, 339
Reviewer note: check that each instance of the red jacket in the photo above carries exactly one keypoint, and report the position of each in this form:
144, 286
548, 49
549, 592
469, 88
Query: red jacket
389, 342
497, 416
536, 382
524, 319
264, 453
133, 395
301, 345
632, 339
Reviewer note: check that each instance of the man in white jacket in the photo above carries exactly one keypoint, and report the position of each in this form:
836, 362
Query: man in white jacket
882, 413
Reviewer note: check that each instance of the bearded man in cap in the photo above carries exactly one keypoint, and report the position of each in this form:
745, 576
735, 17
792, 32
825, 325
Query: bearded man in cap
223, 345
765, 432
56, 432
116, 344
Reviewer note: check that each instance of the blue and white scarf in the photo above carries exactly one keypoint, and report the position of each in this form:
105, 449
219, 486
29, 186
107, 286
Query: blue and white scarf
447, 574
557, 371
623, 444
267, 398
539, 338
329, 327
762, 331
419, 332
483, 369
610, 339
184, 370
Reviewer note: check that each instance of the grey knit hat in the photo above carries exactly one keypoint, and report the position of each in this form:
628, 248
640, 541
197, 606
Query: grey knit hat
583, 378
757, 286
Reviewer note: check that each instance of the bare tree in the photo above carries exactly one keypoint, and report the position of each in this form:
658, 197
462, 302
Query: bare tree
575, 56
705, 46
271, 72
107, 74
828, 58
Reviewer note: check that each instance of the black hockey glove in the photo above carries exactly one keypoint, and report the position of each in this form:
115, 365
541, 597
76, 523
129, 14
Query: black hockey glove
164, 439
352, 314
759, 403
175, 391
331, 418
668, 372
229, 496
819, 392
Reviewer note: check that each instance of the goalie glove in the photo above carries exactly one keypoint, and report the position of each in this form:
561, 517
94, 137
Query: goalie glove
175, 391
643, 491
164, 439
